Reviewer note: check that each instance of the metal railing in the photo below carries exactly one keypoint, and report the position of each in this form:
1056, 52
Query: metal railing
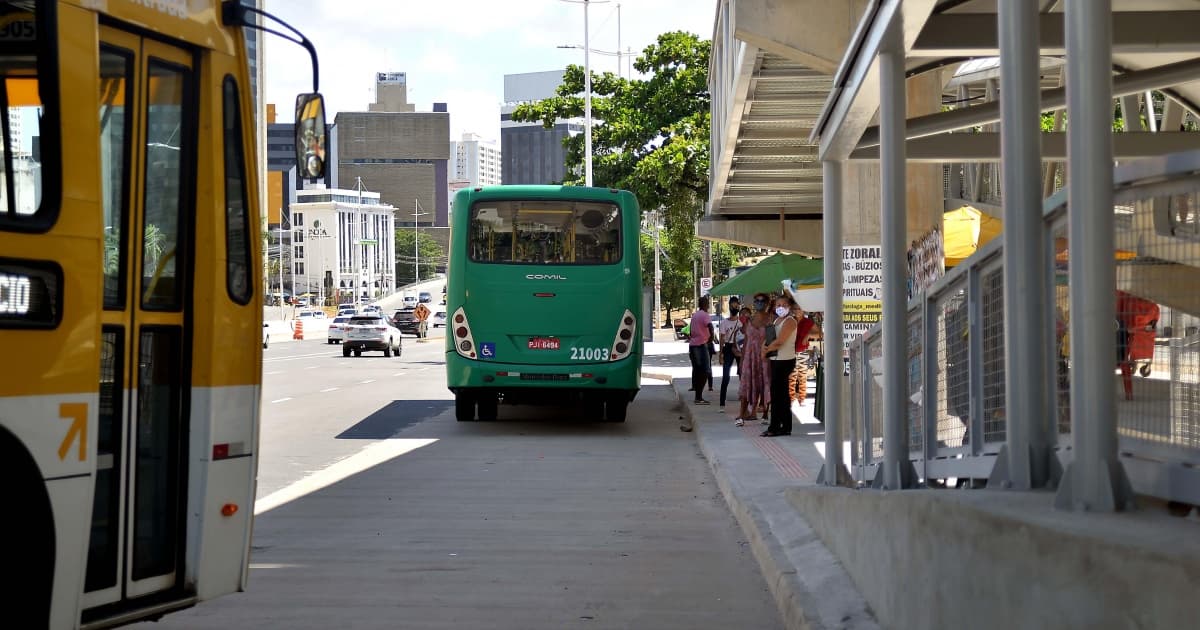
956, 413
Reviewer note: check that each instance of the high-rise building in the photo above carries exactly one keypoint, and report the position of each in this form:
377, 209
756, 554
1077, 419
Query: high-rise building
475, 160
400, 153
391, 93
532, 154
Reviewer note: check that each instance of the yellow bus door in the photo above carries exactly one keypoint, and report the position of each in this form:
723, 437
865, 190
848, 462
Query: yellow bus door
148, 119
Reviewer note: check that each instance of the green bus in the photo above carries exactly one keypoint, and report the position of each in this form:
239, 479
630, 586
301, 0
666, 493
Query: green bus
544, 299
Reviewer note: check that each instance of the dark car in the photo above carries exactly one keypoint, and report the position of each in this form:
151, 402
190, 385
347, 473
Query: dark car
406, 321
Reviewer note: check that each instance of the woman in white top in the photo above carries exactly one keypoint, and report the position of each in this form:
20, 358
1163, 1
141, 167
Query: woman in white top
782, 353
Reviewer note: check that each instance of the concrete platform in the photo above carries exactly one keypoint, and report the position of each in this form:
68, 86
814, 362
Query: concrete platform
851, 558
754, 475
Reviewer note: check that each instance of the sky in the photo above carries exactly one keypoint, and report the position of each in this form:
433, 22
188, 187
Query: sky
455, 51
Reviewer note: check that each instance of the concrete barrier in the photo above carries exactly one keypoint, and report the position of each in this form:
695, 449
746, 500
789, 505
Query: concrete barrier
996, 559
280, 331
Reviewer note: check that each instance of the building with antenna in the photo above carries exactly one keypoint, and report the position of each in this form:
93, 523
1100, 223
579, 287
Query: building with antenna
400, 153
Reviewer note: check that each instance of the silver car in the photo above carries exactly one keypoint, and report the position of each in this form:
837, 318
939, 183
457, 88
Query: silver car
371, 332
337, 329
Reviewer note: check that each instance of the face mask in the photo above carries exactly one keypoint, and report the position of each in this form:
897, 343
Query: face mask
781, 310
760, 305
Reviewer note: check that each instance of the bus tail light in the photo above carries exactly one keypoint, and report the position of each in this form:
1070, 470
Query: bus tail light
623, 342
464, 343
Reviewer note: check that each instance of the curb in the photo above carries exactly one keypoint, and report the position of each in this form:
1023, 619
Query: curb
798, 607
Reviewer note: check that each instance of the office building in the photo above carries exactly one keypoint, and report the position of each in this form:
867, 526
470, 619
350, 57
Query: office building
391, 93
532, 154
402, 154
343, 244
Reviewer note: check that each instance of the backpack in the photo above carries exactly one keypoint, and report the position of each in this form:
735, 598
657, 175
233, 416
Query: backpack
803, 326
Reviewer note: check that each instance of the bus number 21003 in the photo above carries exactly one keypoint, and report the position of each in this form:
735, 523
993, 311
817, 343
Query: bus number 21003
589, 354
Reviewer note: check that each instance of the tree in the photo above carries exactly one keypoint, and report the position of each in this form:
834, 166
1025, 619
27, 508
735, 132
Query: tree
430, 256
652, 134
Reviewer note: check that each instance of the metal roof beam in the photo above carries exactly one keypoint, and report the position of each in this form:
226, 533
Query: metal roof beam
974, 34
1128, 83
985, 147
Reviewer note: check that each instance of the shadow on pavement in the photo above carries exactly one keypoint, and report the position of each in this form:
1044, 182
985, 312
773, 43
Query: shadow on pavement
397, 415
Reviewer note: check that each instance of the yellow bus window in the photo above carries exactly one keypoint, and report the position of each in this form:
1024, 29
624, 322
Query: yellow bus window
166, 142
28, 136
115, 121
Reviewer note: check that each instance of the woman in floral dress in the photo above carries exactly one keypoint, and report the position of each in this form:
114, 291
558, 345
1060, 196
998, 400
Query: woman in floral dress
754, 390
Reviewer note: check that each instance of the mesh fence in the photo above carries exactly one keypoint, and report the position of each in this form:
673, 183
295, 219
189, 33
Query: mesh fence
854, 393
953, 386
1062, 346
915, 380
874, 412
992, 341
1157, 364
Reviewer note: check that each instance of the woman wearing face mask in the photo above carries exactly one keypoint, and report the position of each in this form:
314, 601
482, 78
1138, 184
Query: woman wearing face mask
754, 373
782, 354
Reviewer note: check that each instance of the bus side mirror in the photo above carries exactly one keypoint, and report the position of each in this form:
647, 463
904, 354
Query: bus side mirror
310, 136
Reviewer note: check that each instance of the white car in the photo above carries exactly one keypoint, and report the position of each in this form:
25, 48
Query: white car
371, 332
438, 319
410, 301
337, 328
311, 314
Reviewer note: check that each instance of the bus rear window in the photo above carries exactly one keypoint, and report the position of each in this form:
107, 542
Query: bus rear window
545, 232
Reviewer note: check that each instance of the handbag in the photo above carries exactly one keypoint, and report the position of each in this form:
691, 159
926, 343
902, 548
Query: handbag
769, 338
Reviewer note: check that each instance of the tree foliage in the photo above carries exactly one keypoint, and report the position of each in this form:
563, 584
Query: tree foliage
430, 256
650, 136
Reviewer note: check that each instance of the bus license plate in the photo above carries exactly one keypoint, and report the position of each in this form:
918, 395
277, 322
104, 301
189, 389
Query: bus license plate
543, 343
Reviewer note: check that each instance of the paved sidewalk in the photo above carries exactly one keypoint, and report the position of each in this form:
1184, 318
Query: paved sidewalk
754, 474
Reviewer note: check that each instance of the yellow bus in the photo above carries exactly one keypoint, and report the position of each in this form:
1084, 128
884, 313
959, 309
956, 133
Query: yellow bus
130, 306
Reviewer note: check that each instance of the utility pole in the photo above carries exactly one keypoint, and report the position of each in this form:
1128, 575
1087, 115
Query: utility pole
587, 91
657, 277
708, 270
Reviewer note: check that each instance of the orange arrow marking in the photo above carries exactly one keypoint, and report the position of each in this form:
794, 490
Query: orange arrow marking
77, 414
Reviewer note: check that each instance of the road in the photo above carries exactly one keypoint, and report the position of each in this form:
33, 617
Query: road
378, 510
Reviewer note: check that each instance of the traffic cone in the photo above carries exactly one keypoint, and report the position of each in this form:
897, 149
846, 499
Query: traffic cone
298, 330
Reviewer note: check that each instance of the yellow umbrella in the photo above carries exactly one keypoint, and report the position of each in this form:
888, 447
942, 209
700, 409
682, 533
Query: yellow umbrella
966, 230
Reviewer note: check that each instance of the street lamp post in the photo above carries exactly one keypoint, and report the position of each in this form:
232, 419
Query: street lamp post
587, 92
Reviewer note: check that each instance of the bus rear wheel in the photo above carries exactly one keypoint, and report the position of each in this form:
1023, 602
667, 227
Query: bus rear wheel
464, 407
29, 539
615, 408
488, 407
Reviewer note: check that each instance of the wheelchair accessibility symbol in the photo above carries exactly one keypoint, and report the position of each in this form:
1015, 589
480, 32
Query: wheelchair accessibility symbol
487, 350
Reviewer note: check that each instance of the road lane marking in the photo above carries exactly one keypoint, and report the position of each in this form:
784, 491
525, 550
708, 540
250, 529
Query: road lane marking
282, 400
398, 374
370, 380
312, 367
297, 356
275, 372
368, 457
328, 389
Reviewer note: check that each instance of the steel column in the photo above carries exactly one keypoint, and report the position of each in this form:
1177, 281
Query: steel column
897, 471
1096, 479
833, 472
1025, 462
